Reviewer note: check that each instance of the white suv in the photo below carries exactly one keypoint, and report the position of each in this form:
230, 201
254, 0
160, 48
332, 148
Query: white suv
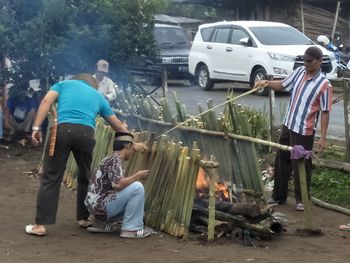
246, 51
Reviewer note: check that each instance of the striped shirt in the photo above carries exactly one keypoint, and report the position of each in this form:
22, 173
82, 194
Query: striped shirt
310, 95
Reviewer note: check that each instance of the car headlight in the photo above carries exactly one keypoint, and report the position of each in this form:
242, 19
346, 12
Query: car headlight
281, 57
280, 71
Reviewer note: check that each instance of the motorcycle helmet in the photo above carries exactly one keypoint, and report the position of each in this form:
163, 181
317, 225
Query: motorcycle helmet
323, 40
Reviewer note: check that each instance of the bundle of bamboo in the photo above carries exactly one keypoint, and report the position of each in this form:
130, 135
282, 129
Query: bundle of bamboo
242, 169
170, 189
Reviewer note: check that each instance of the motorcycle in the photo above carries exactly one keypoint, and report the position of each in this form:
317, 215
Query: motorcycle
343, 59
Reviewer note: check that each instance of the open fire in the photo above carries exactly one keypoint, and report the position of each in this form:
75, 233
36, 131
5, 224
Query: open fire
202, 186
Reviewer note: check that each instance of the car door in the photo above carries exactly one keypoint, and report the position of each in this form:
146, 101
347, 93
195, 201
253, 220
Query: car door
216, 49
238, 55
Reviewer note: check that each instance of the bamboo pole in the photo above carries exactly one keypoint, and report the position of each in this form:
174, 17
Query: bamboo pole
335, 20
302, 16
330, 206
239, 137
304, 194
208, 167
346, 94
220, 134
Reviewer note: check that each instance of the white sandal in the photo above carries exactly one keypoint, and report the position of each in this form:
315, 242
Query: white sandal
29, 230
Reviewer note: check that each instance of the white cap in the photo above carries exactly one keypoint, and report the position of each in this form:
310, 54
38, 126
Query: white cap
102, 65
34, 84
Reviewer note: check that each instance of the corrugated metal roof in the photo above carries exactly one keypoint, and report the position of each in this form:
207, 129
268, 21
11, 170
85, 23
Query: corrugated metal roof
176, 19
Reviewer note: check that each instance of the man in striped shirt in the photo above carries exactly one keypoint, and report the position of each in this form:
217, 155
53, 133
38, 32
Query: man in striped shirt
311, 94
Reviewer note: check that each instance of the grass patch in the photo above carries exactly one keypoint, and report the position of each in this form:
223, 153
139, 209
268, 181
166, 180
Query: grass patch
333, 153
331, 186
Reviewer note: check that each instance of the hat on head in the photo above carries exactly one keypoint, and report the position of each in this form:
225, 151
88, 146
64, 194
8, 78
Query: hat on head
103, 66
123, 137
34, 84
313, 53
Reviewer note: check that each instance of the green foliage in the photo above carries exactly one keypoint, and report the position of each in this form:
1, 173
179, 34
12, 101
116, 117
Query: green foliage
332, 153
50, 38
331, 186
203, 12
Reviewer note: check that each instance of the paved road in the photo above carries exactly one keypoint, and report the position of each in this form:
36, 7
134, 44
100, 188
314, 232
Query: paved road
191, 96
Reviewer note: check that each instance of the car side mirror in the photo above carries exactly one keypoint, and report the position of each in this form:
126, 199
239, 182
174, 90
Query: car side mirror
246, 41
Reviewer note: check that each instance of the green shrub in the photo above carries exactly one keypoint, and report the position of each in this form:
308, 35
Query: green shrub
331, 186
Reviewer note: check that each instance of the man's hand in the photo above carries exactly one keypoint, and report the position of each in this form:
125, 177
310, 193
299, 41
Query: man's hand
140, 146
37, 137
320, 145
261, 84
142, 174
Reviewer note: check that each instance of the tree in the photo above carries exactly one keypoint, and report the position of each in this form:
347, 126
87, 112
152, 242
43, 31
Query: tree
47, 38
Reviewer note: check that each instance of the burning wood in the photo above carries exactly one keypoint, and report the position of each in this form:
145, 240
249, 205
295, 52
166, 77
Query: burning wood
202, 186
248, 213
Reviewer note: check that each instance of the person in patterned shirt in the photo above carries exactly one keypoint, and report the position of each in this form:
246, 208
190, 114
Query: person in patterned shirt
111, 194
311, 94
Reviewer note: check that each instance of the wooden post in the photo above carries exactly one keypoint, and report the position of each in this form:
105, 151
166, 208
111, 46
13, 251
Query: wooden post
164, 83
272, 111
302, 16
304, 194
335, 21
208, 167
346, 94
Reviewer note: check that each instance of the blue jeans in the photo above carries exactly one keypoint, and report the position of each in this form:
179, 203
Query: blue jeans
128, 202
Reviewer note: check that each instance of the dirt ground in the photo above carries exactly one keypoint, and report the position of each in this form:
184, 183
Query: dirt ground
65, 242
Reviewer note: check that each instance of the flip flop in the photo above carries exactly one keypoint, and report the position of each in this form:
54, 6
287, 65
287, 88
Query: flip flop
345, 227
30, 231
107, 228
85, 223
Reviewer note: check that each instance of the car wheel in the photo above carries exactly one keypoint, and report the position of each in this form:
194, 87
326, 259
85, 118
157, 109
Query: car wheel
259, 74
203, 79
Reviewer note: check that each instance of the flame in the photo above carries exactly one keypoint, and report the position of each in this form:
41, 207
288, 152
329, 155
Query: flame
221, 188
202, 182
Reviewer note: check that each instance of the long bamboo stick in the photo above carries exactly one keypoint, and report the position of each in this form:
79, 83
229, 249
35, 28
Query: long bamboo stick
304, 194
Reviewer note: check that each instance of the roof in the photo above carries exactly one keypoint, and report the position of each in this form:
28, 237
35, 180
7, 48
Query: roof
176, 19
166, 25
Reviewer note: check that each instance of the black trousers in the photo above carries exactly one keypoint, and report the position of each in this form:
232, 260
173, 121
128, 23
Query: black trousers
78, 139
285, 167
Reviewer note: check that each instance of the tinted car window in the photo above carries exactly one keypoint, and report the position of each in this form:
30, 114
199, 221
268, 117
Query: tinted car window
170, 36
206, 33
237, 35
280, 36
221, 35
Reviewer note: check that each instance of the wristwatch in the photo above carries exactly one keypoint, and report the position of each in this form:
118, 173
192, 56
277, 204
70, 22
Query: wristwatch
35, 128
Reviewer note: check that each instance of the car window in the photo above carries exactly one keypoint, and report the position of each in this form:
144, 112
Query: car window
280, 36
221, 35
237, 35
170, 36
206, 33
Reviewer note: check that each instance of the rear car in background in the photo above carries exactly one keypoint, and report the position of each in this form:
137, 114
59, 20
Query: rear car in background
248, 51
174, 47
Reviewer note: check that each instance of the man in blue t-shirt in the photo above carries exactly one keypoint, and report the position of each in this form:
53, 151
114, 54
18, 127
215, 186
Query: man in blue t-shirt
78, 104
19, 116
